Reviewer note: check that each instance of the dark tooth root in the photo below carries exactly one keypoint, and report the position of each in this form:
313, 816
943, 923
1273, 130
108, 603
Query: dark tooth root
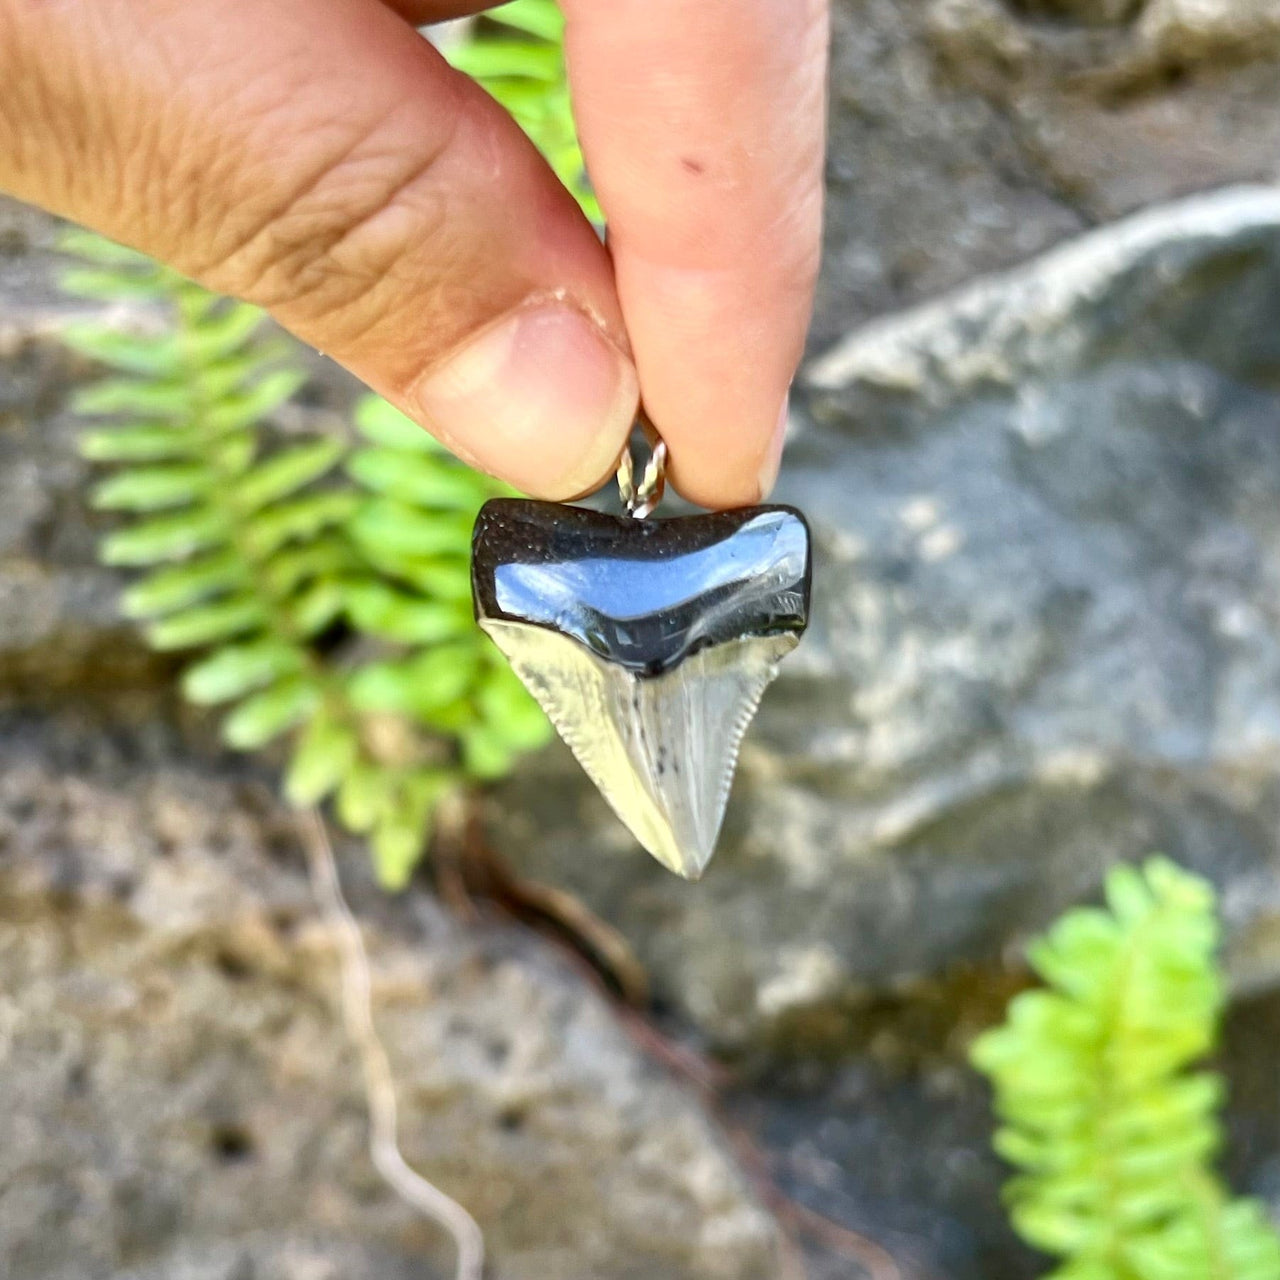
644, 594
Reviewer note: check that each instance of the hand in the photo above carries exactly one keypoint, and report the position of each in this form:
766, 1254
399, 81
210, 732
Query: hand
319, 158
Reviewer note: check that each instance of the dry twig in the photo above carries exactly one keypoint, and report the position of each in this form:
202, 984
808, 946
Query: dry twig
357, 1016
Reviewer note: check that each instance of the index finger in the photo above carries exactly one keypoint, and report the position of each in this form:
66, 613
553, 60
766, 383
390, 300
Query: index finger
703, 126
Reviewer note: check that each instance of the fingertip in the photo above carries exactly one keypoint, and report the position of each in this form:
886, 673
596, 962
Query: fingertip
703, 126
771, 460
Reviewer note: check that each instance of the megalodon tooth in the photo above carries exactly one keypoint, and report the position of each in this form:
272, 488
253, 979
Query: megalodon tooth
649, 643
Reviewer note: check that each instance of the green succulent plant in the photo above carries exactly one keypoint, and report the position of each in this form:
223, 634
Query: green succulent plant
1112, 1129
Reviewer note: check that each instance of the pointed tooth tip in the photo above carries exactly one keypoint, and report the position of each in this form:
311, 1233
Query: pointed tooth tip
688, 866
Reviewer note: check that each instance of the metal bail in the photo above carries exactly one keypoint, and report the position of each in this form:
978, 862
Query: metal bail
640, 499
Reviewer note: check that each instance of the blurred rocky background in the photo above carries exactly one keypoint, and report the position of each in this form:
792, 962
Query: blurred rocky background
1039, 443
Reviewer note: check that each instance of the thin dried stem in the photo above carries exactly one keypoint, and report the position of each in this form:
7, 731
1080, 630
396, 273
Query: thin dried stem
380, 1093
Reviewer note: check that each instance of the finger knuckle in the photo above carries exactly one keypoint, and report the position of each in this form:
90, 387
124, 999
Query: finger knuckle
339, 232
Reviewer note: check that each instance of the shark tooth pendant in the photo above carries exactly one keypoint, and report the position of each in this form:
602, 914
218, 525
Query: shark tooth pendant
648, 643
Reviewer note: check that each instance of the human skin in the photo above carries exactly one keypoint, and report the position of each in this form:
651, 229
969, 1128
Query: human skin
320, 159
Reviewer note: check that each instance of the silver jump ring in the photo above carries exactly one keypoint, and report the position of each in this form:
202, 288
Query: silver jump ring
640, 499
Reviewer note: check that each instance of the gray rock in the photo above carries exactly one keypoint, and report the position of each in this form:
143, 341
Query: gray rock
967, 135
180, 1102
1046, 636
1090, 12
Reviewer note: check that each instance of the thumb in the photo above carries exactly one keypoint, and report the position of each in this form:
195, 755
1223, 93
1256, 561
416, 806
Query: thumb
323, 161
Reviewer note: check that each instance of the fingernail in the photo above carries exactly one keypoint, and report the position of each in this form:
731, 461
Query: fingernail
773, 453
542, 399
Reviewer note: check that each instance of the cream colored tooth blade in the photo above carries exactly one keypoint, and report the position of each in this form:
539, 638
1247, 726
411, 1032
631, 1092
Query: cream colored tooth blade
661, 749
